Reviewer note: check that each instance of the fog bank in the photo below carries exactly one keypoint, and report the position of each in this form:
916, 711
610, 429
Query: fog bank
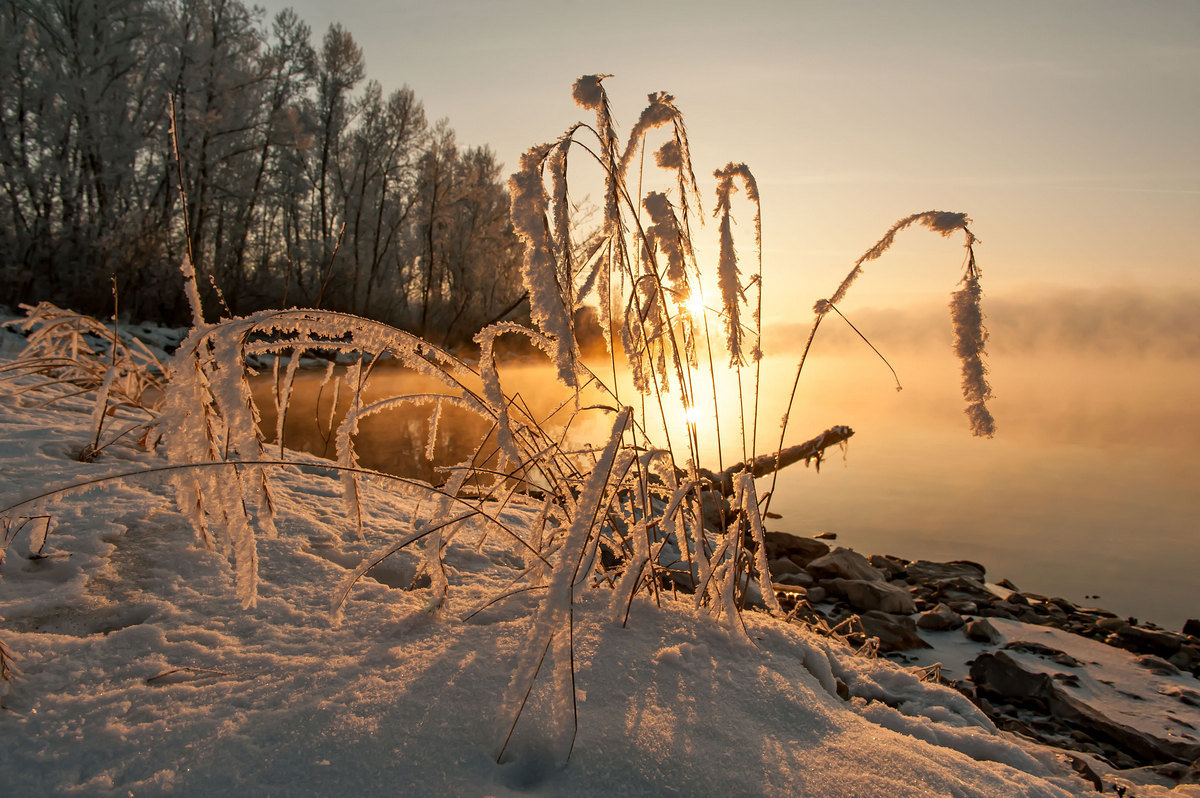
1127, 321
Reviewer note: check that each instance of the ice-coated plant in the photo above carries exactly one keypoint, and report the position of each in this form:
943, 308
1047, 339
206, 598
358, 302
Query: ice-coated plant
637, 517
65, 349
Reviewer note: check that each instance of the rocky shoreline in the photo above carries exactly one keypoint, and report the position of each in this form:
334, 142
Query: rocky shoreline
890, 605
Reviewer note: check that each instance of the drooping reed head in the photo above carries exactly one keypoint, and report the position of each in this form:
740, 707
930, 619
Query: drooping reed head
659, 112
539, 268
966, 314
728, 274
665, 233
588, 92
970, 338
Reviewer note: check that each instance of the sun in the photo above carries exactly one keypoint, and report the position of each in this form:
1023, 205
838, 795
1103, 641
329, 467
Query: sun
695, 416
694, 305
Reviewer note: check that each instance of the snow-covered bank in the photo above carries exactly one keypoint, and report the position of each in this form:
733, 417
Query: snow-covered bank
143, 675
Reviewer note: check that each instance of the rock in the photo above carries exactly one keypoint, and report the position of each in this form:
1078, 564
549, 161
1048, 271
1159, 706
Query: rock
1186, 658
816, 594
1191, 627
941, 618
1180, 773
844, 564
782, 565
1066, 606
928, 571
863, 594
800, 579
1095, 612
1001, 675
895, 632
1052, 611
1148, 641
964, 607
892, 567
826, 536
1081, 767
963, 588
981, 631
1030, 615
1143, 745
1006, 584
1108, 625
715, 509
1185, 696
799, 550
1044, 651
1157, 665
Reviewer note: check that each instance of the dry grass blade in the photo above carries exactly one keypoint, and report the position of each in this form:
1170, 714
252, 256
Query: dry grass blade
639, 517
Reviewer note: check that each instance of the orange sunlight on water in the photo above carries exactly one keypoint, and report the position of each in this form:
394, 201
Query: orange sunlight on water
1087, 489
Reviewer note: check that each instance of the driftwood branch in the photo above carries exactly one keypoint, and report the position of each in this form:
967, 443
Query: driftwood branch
767, 463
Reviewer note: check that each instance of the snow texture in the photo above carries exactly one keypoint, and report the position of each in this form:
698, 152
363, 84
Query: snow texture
144, 674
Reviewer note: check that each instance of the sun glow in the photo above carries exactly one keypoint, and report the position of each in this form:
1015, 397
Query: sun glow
694, 305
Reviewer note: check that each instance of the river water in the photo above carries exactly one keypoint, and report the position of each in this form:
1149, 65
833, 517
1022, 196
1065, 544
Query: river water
1090, 489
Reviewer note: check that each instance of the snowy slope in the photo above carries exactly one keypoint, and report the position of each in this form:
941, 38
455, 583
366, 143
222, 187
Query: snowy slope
142, 674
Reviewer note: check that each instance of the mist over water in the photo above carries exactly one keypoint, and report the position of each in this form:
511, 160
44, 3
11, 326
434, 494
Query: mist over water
1089, 487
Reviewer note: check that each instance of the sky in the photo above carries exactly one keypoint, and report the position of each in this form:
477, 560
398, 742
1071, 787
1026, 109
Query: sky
1068, 131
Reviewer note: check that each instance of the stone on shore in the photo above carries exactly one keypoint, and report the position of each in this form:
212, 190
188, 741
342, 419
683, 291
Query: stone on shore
1001, 675
864, 594
895, 632
962, 588
799, 550
892, 567
939, 619
981, 631
781, 566
927, 571
844, 563
799, 579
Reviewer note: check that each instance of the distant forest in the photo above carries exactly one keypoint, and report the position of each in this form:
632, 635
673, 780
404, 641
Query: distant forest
305, 183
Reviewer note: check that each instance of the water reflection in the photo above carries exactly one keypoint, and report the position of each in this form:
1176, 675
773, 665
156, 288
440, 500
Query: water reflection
1089, 486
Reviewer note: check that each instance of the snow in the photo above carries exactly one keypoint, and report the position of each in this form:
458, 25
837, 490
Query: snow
1116, 683
142, 673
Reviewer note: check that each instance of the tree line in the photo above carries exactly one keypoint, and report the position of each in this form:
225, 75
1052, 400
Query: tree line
303, 182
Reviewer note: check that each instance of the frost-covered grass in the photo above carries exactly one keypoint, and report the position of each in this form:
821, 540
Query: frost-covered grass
143, 674
631, 522
64, 349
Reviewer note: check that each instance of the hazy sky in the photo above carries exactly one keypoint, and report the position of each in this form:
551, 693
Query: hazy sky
1069, 131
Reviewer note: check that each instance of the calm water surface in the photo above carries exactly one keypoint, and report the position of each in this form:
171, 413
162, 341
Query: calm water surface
1089, 489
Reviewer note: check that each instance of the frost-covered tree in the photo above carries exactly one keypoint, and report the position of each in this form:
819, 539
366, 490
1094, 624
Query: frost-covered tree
385, 151
80, 98
300, 184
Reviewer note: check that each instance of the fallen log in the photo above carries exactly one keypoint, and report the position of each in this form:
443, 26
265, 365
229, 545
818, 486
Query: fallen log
809, 451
